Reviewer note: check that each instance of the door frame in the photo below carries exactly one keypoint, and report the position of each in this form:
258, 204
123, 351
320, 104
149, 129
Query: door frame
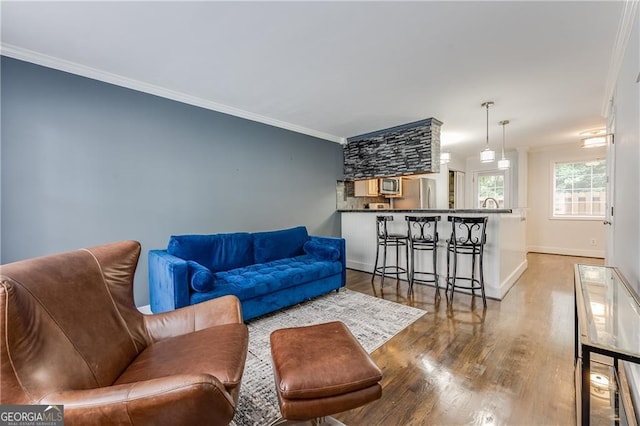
609, 221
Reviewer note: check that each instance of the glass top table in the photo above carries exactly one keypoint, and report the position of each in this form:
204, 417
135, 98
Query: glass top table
612, 311
607, 322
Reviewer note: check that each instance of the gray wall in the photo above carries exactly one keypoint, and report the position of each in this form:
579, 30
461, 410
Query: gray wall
86, 163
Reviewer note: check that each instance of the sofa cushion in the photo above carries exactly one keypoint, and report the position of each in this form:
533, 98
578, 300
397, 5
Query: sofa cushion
260, 279
219, 252
274, 245
321, 251
200, 278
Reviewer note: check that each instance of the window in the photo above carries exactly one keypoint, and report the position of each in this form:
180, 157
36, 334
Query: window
491, 189
579, 189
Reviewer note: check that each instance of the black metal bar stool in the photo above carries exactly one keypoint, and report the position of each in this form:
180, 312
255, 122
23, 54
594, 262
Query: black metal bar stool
468, 237
386, 239
423, 236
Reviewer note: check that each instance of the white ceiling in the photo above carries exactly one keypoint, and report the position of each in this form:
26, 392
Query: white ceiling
340, 69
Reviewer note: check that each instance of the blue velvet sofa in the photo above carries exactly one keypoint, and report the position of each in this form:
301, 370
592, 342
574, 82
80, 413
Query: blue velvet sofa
267, 271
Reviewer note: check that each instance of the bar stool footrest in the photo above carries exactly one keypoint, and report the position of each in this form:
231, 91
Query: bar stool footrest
434, 279
476, 285
390, 270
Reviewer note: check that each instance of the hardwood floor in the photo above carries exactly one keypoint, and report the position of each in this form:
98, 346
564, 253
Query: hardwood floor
508, 364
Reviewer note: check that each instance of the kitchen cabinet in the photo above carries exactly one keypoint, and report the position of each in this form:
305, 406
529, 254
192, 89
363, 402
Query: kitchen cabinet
366, 188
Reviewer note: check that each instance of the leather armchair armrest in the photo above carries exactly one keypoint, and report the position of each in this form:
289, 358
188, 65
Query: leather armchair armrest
179, 399
218, 311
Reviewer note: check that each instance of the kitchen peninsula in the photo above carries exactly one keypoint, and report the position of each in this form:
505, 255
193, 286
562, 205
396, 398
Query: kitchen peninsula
504, 257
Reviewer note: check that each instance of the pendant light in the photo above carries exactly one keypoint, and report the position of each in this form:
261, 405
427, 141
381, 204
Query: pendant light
594, 138
504, 163
487, 155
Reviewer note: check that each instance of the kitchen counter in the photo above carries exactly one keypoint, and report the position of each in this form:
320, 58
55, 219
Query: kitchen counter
504, 256
461, 211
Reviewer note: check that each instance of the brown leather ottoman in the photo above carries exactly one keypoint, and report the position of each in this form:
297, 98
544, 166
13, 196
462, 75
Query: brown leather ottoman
321, 370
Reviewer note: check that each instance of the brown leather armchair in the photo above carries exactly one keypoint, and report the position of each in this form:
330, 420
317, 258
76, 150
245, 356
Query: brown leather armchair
70, 334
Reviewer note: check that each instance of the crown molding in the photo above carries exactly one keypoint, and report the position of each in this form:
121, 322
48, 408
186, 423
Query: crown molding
140, 86
617, 57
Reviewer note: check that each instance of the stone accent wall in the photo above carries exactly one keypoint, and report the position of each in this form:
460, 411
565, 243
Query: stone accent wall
408, 149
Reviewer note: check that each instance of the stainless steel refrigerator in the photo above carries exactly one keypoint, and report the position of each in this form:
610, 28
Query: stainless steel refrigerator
418, 193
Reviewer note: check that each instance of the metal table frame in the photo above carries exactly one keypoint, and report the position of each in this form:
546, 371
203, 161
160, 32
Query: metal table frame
587, 340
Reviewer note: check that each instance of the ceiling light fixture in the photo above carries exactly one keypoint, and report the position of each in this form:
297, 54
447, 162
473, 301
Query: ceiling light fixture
503, 163
487, 155
594, 138
594, 141
445, 157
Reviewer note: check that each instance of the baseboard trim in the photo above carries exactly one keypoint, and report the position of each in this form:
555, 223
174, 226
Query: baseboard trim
359, 266
567, 251
510, 281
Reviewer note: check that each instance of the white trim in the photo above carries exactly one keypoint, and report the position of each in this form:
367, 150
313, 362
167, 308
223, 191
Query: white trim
567, 251
611, 167
578, 218
552, 205
622, 39
118, 80
359, 266
510, 281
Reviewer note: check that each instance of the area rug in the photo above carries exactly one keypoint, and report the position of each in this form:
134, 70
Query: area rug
371, 320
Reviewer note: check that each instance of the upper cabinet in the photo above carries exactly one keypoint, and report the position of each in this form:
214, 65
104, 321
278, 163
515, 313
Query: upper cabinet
366, 188
409, 149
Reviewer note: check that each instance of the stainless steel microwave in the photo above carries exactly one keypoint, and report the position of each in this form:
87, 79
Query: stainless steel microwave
391, 186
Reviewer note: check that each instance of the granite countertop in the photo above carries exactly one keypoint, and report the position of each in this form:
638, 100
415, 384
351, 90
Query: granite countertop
382, 211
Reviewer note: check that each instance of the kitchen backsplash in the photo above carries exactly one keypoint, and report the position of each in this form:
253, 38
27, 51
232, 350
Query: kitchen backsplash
346, 199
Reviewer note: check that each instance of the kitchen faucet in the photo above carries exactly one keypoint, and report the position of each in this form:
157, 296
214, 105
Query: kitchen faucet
484, 203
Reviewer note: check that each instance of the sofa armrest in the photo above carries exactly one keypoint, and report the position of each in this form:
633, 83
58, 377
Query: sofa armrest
178, 399
218, 311
338, 243
168, 281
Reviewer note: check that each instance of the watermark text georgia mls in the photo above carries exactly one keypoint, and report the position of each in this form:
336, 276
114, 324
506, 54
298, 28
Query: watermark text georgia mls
31, 415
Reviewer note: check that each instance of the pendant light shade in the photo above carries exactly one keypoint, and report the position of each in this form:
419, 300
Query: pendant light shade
487, 155
503, 163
